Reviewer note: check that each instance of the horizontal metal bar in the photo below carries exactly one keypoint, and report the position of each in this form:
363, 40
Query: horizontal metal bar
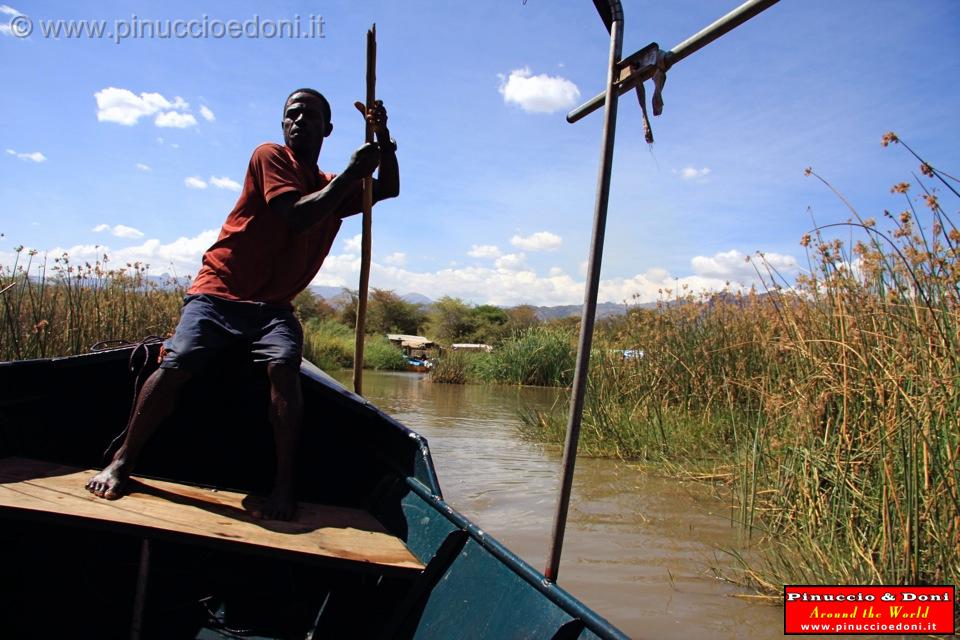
694, 43
722, 26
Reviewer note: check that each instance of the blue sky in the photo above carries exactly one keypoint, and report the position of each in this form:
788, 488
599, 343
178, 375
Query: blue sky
137, 147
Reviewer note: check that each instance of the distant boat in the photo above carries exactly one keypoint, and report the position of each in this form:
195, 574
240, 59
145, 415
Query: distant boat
419, 365
469, 346
374, 553
416, 349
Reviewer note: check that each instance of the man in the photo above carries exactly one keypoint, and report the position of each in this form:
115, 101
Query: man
269, 249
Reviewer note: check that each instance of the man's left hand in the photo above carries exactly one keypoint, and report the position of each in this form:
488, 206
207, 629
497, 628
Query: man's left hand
376, 116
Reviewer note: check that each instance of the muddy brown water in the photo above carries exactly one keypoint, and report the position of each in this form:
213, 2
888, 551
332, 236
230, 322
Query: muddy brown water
638, 549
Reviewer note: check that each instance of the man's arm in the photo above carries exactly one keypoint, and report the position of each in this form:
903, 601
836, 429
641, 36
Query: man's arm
302, 212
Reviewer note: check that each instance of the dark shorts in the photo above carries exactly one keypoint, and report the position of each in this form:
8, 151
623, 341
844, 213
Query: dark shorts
209, 324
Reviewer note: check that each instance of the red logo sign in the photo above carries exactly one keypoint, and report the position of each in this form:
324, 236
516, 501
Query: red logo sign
851, 609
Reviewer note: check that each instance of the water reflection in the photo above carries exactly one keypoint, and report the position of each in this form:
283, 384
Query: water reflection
637, 548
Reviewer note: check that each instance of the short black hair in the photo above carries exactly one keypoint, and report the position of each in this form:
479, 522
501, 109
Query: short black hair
323, 101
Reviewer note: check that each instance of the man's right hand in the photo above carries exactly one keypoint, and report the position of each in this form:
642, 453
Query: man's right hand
363, 161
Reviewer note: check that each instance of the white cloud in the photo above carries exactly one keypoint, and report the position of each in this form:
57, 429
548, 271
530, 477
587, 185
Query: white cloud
143, 167
5, 28
539, 241
510, 282
179, 257
352, 245
34, 156
120, 230
538, 94
510, 262
505, 284
175, 119
734, 266
224, 182
484, 251
397, 258
207, 113
193, 182
123, 106
692, 173
123, 231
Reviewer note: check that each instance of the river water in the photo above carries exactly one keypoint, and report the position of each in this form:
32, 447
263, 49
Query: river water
638, 549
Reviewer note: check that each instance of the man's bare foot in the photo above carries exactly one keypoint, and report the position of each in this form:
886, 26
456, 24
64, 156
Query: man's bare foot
111, 482
280, 505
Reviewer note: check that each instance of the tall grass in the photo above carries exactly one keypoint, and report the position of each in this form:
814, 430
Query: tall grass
830, 406
330, 345
535, 356
454, 367
57, 309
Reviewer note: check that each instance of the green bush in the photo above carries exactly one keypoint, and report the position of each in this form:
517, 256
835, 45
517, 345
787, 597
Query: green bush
379, 353
330, 345
539, 356
453, 367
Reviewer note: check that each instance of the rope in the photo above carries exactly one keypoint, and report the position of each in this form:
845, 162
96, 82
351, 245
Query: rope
143, 346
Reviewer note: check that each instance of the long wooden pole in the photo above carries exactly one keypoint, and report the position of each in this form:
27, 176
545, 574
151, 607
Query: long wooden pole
366, 240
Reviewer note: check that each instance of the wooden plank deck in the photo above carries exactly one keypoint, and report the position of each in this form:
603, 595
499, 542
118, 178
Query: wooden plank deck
320, 531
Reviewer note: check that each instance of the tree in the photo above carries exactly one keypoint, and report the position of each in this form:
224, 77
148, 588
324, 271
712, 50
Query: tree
389, 313
308, 306
490, 324
450, 320
347, 307
386, 312
522, 317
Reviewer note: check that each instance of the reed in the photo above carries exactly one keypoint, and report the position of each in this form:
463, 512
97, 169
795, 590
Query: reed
453, 367
536, 356
330, 345
63, 309
829, 407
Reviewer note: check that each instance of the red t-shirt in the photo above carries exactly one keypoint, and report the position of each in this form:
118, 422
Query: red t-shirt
258, 257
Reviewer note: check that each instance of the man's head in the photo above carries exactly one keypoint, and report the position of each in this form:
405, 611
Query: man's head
306, 121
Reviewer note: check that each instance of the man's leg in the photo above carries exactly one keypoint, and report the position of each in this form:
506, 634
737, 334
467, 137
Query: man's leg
286, 412
156, 401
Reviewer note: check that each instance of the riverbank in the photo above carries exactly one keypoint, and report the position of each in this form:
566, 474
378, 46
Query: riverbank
828, 408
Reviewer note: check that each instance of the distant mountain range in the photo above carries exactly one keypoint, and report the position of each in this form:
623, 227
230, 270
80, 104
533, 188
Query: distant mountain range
604, 309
